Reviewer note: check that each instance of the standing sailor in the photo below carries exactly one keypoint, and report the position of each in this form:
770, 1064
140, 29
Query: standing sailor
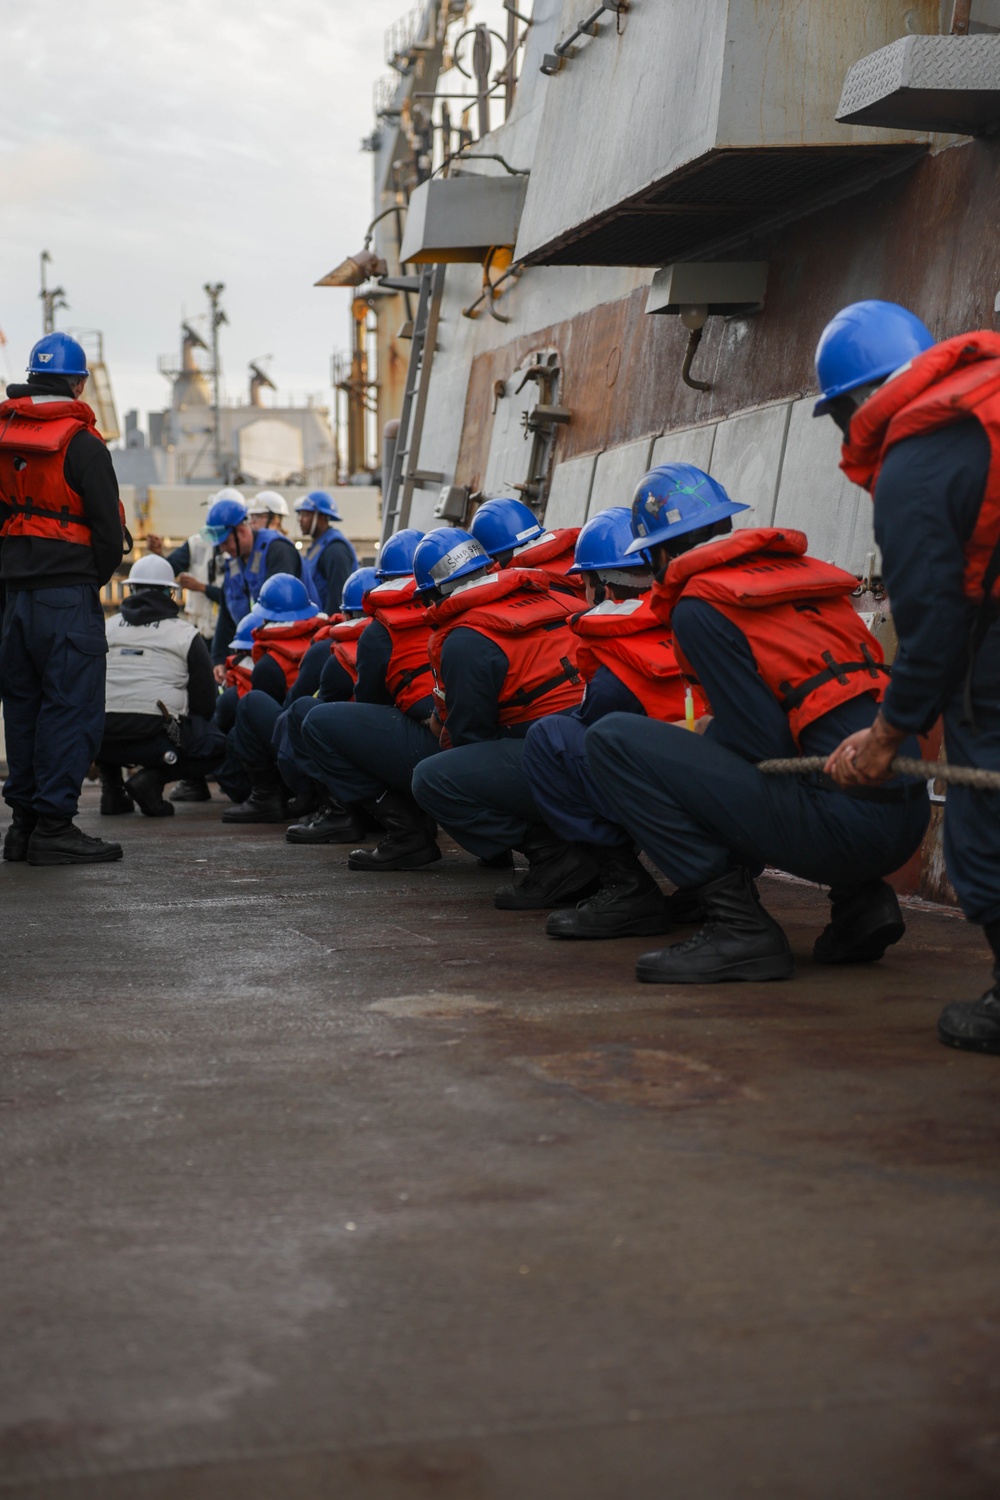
330, 559
267, 510
63, 534
921, 425
251, 557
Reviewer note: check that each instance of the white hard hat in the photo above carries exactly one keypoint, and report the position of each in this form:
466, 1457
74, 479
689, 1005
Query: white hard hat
153, 571
229, 492
268, 502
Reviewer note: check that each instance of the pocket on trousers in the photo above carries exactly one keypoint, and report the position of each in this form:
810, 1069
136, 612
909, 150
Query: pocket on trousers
57, 598
88, 645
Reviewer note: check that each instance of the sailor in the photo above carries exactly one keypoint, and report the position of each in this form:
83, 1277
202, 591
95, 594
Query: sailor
921, 425
160, 696
513, 536
268, 511
63, 535
504, 656
250, 558
196, 568
330, 558
789, 668
289, 621
627, 657
364, 752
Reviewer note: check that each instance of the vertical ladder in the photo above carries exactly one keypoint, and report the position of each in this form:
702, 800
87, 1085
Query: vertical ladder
403, 473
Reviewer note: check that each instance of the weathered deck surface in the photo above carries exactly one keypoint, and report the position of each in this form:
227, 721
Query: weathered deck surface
321, 1184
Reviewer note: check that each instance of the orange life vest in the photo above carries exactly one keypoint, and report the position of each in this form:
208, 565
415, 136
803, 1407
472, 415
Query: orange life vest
552, 554
344, 638
397, 606
811, 647
286, 643
238, 674
34, 436
950, 382
628, 639
530, 623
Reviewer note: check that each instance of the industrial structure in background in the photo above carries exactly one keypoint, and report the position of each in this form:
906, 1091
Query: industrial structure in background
578, 264
99, 393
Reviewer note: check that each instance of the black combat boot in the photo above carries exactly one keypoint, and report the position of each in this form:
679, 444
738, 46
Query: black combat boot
145, 787
558, 874
114, 798
330, 824
194, 789
409, 840
738, 940
974, 1025
267, 802
306, 805
58, 841
864, 921
628, 904
22, 822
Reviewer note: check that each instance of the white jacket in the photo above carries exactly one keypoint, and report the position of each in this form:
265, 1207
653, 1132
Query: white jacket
199, 608
147, 663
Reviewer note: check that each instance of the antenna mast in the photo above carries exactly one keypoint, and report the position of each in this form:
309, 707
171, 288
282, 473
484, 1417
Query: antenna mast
51, 300
217, 318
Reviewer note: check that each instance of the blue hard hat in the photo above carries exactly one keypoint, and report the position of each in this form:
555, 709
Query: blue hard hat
223, 517
604, 543
447, 554
356, 586
676, 498
284, 598
396, 558
58, 354
864, 343
322, 502
502, 525
243, 639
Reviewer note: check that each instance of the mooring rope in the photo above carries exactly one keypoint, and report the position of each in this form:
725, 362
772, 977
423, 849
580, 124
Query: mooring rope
904, 765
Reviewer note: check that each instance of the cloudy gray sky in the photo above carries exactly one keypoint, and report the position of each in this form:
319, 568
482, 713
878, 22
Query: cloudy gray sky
152, 147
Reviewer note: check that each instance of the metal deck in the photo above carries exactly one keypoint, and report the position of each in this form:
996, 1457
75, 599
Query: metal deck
322, 1184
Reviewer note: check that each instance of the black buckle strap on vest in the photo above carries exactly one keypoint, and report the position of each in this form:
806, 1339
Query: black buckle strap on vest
411, 674
524, 697
29, 509
982, 620
836, 671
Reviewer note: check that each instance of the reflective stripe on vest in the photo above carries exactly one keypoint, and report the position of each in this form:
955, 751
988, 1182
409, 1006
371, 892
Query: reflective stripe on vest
626, 637
34, 437
553, 554
397, 606
811, 647
517, 610
950, 382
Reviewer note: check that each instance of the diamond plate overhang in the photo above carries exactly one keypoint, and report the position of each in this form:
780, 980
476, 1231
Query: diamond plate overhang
945, 84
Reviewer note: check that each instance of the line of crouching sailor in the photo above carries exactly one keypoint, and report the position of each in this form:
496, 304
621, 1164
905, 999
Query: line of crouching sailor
584, 709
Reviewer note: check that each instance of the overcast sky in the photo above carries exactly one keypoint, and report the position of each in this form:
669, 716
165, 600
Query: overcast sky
152, 147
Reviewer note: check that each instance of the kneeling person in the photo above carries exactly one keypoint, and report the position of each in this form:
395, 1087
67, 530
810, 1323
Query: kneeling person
159, 698
789, 669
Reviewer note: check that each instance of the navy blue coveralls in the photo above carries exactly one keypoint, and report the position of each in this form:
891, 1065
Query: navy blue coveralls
697, 805
53, 654
260, 738
927, 502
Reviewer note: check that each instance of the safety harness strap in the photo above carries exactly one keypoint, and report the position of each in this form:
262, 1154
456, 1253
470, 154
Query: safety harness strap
835, 671
526, 696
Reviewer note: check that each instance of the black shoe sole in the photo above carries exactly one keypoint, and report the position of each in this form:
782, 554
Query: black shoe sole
16, 859
869, 950
509, 898
969, 1044
74, 859
355, 837
637, 927
749, 969
404, 862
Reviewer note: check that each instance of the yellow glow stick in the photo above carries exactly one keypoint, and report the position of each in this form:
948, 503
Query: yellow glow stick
689, 709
